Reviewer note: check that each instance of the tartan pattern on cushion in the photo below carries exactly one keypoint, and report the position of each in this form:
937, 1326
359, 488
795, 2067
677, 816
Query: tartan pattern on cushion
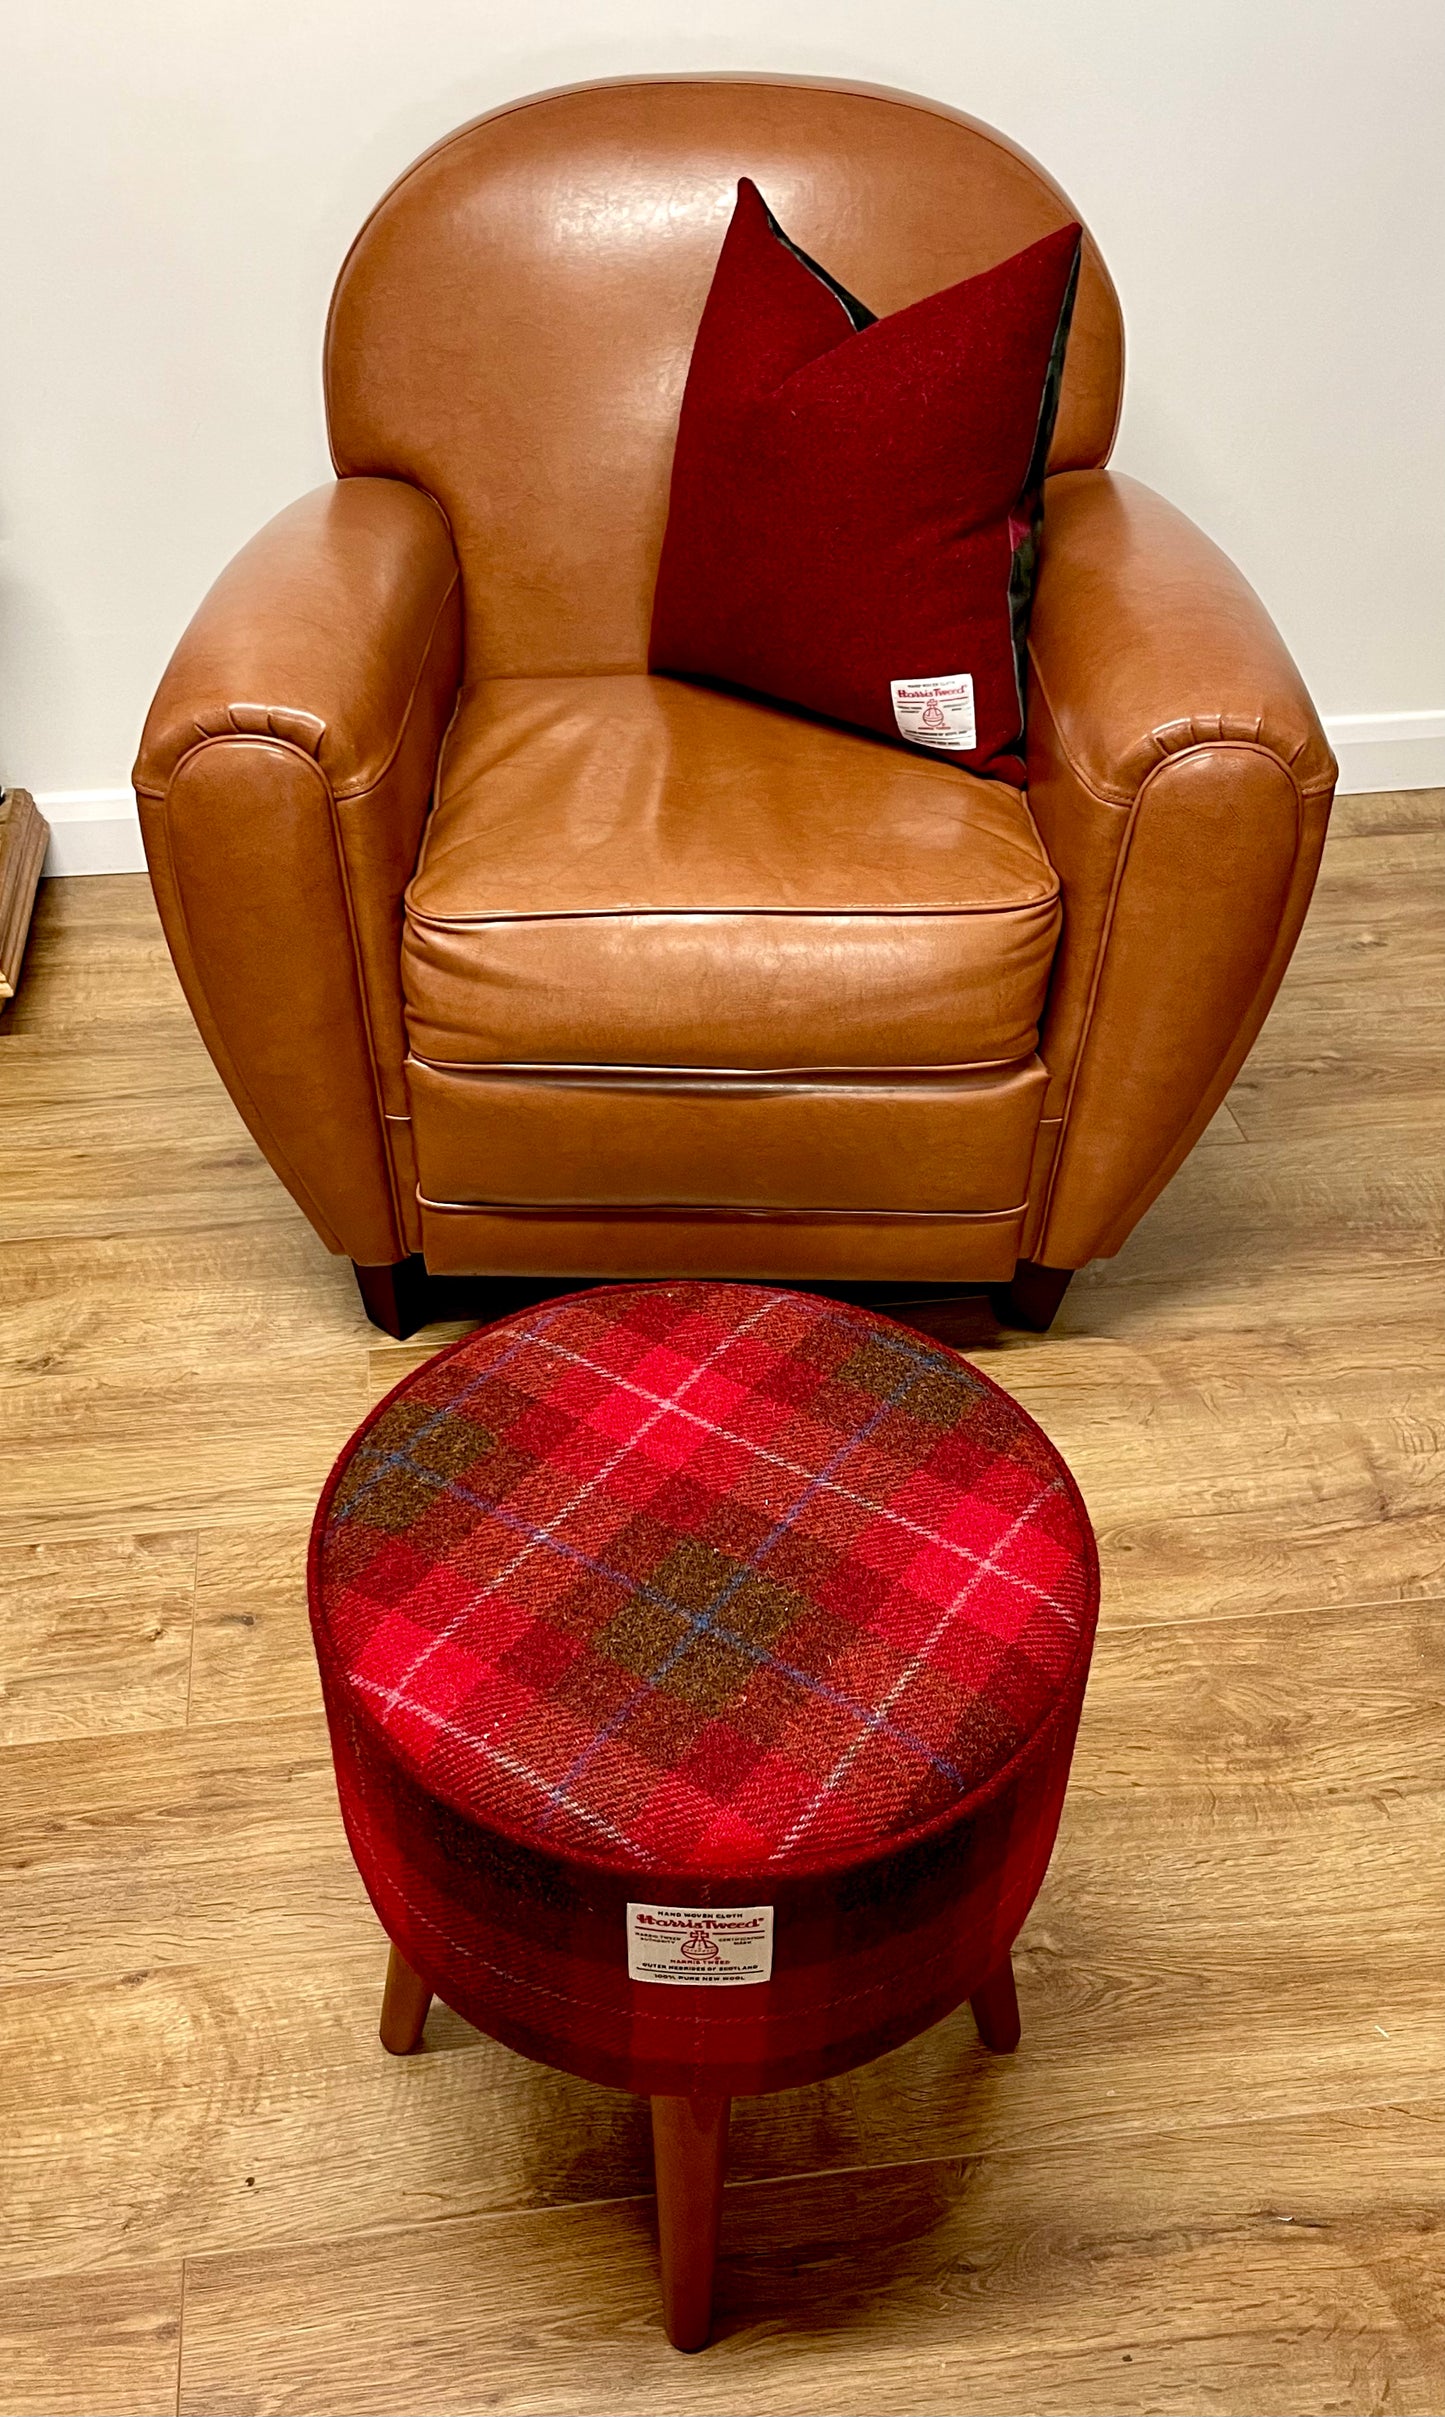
701, 1577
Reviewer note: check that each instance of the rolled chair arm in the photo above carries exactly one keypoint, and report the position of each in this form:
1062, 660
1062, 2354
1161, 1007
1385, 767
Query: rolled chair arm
284, 777
1181, 784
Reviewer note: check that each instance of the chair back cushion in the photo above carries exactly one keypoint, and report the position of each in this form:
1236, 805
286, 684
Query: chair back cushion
511, 330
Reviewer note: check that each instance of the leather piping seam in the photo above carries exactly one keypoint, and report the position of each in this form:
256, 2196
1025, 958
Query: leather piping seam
437, 777
348, 792
437, 783
418, 916
1322, 786
299, 1187
1234, 746
359, 785
568, 1212
286, 747
343, 868
355, 796
889, 96
1245, 1018
590, 1068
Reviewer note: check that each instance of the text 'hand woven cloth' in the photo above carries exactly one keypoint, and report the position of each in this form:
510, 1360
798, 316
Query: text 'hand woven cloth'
706, 1601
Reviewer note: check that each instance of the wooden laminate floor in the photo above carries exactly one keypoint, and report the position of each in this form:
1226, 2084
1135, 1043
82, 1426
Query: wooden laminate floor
1211, 2179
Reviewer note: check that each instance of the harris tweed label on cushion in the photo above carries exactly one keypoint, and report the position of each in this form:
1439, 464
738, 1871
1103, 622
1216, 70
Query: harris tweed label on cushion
702, 1577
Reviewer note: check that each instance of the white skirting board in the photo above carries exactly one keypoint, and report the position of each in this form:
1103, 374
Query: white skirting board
96, 831
92, 831
1387, 751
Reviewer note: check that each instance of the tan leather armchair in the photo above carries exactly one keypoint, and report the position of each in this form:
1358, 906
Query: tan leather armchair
518, 961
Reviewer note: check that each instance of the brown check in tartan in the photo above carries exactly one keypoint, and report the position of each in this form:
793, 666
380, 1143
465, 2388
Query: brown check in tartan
703, 1594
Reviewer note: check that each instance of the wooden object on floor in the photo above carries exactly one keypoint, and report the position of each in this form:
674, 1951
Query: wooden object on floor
1031, 1296
397, 1299
24, 832
689, 2154
996, 2010
401, 1298
404, 2004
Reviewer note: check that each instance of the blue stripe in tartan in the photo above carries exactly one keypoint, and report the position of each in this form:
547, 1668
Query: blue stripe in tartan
702, 1623
697, 1623
940, 1361
727, 1636
396, 1460
391, 1460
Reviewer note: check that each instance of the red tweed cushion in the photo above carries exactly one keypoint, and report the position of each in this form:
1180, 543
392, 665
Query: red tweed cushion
702, 1594
703, 1576
856, 502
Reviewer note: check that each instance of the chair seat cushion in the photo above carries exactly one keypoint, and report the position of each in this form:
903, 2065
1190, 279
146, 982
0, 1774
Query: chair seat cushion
626, 871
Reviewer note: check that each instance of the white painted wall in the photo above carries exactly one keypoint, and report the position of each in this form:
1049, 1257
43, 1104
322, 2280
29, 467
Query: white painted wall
180, 178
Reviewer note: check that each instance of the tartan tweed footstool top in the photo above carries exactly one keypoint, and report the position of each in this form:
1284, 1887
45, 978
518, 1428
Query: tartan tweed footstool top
702, 1664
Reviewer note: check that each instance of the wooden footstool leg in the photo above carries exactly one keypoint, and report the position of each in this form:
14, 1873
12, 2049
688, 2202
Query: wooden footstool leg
996, 2009
403, 2006
689, 2153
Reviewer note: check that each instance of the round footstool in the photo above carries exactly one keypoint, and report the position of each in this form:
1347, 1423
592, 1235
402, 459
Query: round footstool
702, 1663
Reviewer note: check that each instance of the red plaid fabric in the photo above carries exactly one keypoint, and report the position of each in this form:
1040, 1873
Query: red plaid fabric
701, 1594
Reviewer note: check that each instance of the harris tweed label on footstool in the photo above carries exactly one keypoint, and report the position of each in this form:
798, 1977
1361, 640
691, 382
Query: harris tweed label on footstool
704, 1946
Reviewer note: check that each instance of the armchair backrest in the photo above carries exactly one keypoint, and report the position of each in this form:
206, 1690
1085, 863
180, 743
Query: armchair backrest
512, 328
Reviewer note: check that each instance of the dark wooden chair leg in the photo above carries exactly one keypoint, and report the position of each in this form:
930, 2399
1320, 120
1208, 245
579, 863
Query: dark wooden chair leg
397, 1299
404, 2004
996, 2009
1031, 1298
689, 2154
